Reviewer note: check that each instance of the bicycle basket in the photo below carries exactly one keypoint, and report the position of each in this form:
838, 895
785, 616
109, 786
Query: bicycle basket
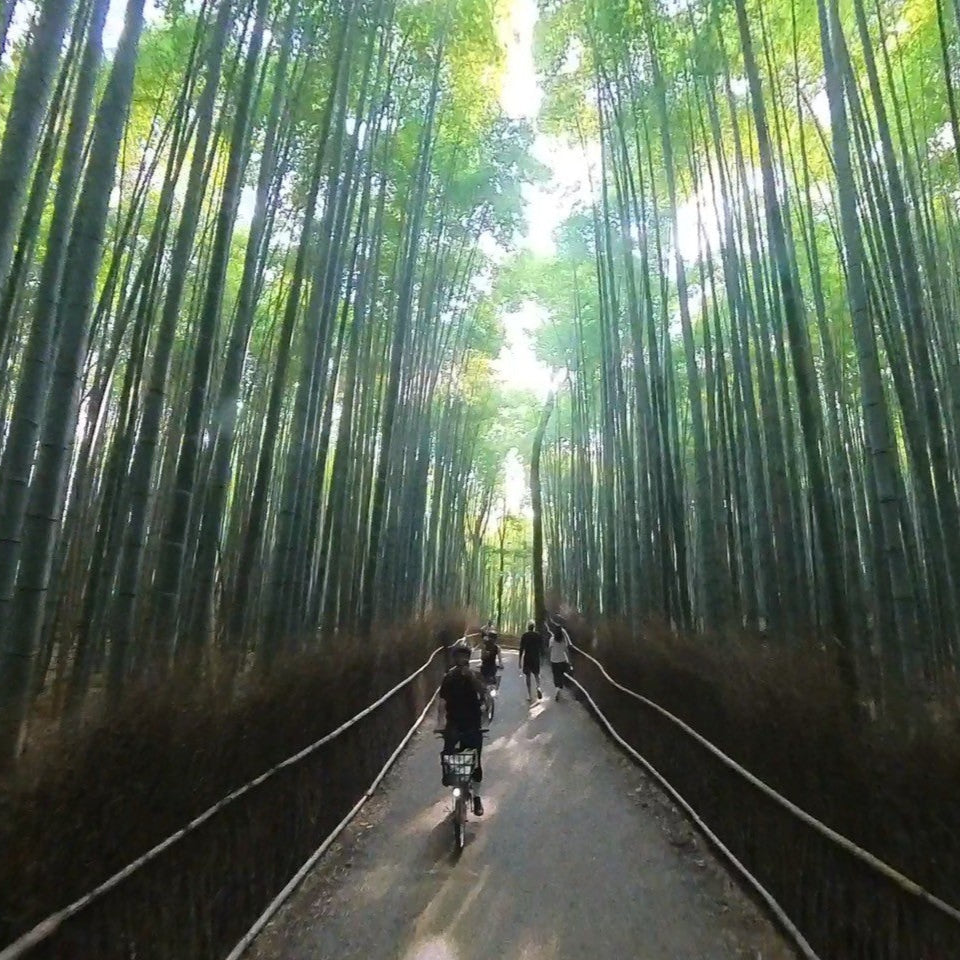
459, 767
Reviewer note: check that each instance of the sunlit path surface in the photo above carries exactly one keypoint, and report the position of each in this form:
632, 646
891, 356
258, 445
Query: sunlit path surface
576, 857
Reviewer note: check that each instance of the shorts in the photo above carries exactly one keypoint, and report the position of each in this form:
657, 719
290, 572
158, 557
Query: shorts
559, 672
531, 666
489, 674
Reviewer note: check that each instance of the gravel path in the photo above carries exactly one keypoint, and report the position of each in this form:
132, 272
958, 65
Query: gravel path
578, 856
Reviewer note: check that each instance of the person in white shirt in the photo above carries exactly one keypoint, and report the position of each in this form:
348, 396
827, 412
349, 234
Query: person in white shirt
559, 657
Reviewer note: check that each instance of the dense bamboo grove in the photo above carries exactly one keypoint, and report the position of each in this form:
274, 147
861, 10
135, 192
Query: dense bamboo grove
243, 340
759, 314
246, 329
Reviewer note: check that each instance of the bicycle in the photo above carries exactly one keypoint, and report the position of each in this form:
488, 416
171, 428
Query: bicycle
493, 686
458, 770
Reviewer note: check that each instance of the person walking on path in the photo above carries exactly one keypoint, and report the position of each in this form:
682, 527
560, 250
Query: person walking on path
559, 657
530, 659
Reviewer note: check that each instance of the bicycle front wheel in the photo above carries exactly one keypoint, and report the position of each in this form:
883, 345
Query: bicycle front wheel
459, 824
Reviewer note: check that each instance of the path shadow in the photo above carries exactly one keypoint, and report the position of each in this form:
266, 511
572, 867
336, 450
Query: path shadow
561, 866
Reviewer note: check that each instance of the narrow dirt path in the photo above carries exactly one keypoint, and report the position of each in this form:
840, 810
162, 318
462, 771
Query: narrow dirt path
578, 856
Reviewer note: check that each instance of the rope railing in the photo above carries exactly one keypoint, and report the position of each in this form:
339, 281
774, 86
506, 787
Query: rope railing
753, 841
47, 927
910, 886
908, 923
311, 861
769, 900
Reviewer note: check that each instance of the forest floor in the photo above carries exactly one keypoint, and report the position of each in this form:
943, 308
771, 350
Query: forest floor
578, 855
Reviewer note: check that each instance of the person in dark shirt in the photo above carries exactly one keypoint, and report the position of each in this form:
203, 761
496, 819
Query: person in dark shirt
491, 659
530, 646
461, 702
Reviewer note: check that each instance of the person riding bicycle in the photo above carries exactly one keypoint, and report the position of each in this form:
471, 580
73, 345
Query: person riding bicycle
463, 696
491, 659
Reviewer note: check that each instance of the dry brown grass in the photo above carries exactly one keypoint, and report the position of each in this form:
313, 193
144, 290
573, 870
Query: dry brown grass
888, 779
89, 804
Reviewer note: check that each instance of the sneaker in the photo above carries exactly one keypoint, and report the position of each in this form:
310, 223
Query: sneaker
557, 697
539, 694
477, 807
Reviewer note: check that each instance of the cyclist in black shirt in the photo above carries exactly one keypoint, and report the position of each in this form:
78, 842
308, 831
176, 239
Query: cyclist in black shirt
490, 657
460, 710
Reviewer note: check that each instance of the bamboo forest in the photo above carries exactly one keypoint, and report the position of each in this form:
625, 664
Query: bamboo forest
325, 322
